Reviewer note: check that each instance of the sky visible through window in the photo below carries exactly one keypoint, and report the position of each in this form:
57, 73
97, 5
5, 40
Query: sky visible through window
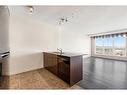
118, 41
99, 41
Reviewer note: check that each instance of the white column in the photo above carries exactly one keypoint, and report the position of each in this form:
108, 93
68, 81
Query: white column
93, 47
113, 46
126, 44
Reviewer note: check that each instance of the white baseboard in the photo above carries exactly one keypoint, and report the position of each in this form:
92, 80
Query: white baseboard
14, 73
111, 57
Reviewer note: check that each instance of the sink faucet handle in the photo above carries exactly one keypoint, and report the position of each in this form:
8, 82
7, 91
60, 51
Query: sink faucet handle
59, 49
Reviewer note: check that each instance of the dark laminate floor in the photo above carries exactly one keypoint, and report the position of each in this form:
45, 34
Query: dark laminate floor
99, 73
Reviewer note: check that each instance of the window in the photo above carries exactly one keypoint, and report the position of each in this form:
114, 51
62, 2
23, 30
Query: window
99, 46
108, 46
111, 45
120, 46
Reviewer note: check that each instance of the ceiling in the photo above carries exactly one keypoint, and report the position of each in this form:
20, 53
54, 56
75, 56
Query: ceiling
84, 19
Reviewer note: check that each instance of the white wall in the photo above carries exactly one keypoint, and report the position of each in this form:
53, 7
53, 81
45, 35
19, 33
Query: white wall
4, 40
75, 42
30, 37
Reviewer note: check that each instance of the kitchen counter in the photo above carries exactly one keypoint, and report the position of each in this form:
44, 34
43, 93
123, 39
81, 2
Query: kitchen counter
67, 66
68, 54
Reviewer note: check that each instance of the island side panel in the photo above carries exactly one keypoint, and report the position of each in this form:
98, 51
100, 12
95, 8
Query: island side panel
76, 69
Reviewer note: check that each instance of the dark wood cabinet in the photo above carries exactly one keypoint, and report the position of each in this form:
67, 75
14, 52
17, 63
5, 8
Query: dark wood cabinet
0, 69
68, 68
51, 62
76, 69
64, 68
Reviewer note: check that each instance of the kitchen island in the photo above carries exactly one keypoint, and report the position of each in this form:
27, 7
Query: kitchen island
67, 66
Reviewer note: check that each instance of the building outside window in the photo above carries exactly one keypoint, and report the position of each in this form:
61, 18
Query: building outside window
120, 46
99, 45
111, 45
108, 45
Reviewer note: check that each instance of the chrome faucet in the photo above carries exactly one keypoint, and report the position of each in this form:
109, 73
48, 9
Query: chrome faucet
60, 50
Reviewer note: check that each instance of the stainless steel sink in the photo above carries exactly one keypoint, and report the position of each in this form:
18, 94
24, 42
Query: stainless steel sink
59, 53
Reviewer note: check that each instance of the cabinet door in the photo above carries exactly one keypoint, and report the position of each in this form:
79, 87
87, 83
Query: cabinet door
0, 69
64, 68
50, 62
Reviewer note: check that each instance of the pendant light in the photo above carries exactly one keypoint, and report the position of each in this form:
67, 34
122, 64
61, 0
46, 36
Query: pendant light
30, 9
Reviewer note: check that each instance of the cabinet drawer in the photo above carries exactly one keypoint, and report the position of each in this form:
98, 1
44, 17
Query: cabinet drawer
64, 77
63, 67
